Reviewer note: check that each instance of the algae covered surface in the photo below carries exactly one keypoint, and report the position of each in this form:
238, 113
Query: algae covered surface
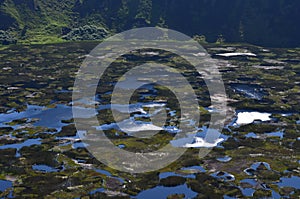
43, 156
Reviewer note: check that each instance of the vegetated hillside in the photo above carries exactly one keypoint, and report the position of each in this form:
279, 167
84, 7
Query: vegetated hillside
262, 22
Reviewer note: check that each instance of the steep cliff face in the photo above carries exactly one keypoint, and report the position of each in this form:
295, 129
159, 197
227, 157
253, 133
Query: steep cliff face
263, 22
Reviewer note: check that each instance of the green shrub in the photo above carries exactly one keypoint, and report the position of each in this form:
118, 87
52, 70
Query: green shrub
87, 32
6, 38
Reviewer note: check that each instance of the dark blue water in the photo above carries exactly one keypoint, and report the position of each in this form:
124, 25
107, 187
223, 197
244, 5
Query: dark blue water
18, 146
249, 91
44, 168
5, 184
47, 117
293, 181
160, 192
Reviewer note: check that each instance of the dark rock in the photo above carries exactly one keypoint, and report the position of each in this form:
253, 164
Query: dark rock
176, 196
67, 131
172, 181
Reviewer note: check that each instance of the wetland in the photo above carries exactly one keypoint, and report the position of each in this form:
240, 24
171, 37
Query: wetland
42, 155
